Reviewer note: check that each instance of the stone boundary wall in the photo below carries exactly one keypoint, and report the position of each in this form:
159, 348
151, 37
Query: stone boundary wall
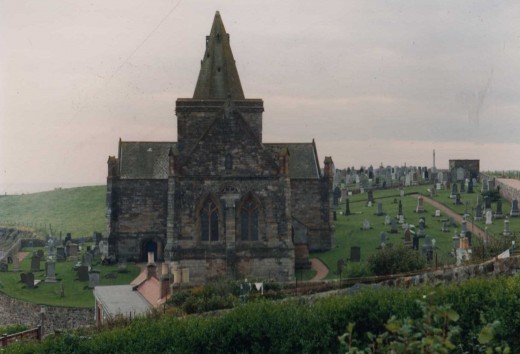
508, 192
14, 311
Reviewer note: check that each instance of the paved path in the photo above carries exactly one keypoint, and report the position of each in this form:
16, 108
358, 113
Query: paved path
320, 268
476, 230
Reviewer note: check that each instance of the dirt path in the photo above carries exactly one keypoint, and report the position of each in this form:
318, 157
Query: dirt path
320, 268
476, 230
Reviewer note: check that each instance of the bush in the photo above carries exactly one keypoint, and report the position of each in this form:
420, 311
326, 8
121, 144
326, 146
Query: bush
392, 260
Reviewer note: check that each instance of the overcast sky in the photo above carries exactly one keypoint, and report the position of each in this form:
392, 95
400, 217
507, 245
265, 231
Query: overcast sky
371, 81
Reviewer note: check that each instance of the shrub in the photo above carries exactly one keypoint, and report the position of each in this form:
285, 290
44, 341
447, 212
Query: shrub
395, 259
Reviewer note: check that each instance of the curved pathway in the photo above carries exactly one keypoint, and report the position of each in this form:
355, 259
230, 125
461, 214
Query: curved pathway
475, 229
320, 268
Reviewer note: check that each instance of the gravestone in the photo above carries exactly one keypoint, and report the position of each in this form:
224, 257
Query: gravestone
422, 221
401, 219
98, 237
470, 186
370, 196
379, 209
469, 236
387, 220
421, 233
382, 239
366, 224
355, 254
415, 242
464, 227
445, 226
103, 248
462, 186
393, 228
454, 191
487, 201
28, 279
484, 185
437, 213
60, 254
478, 212
433, 191
35, 263
87, 259
16, 263
466, 205
420, 205
438, 186
336, 195
347, 211
82, 273
489, 217
499, 213
457, 199
456, 241
506, 232
51, 250
93, 279
408, 238
4, 267
452, 221
514, 208
72, 251
491, 185
369, 204
427, 247
50, 272
400, 208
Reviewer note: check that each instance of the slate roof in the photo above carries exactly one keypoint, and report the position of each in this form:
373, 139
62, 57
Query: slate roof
303, 159
121, 300
149, 160
144, 160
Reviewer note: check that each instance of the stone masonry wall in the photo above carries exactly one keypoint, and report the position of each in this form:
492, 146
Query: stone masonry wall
14, 311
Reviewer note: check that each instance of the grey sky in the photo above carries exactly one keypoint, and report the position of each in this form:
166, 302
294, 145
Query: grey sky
371, 81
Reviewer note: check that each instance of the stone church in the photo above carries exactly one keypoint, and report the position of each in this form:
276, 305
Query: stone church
220, 201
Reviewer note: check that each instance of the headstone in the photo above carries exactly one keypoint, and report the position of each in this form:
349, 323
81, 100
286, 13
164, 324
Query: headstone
336, 195
454, 191
369, 204
470, 186
393, 229
466, 205
457, 199
487, 201
438, 186
400, 208
499, 214
469, 237
93, 279
464, 227
514, 208
506, 228
420, 205
456, 241
51, 250
407, 238
452, 221
489, 217
16, 263
387, 220
462, 186
35, 263
355, 254
415, 242
366, 224
4, 267
60, 254
421, 233
437, 213
484, 185
382, 239
82, 273
370, 197
427, 243
347, 212
401, 219
491, 185
28, 280
98, 237
50, 272
87, 259
380, 209
433, 191
72, 251
445, 226
478, 212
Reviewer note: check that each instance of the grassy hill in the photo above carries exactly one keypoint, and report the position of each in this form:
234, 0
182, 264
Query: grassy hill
79, 211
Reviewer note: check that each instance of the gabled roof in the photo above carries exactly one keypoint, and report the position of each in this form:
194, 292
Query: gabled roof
121, 300
303, 160
144, 160
218, 77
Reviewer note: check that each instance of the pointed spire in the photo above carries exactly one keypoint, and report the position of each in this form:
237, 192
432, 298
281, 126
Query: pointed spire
218, 77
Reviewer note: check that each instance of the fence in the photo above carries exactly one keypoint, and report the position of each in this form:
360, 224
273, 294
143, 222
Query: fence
30, 334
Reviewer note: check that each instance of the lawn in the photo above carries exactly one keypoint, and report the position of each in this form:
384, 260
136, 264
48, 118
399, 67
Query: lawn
76, 293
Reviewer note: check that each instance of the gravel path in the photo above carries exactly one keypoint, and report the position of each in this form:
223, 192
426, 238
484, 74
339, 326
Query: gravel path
320, 268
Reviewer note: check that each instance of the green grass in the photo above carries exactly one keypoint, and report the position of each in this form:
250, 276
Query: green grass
80, 211
77, 294
305, 274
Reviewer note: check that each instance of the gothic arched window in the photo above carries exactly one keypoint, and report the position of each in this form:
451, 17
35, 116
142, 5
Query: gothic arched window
209, 221
249, 220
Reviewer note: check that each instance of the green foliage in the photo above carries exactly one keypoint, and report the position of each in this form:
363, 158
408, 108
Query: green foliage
13, 329
397, 259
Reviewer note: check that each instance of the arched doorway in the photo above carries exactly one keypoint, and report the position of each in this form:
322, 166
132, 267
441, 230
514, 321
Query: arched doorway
149, 246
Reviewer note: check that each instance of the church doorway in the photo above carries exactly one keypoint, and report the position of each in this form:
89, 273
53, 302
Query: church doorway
149, 246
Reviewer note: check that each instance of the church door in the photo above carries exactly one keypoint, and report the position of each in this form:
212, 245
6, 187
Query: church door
150, 246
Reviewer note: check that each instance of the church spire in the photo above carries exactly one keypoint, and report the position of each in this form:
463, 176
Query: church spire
218, 77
